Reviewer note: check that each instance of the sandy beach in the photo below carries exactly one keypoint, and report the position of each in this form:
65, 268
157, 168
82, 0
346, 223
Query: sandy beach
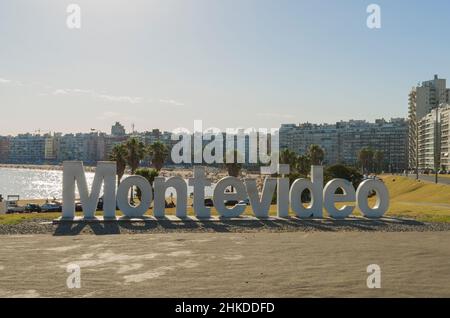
295, 264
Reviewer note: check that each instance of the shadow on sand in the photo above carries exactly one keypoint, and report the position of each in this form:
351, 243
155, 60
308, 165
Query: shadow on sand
226, 225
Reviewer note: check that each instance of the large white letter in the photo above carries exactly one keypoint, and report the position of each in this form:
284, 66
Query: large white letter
146, 196
315, 187
261, 206
382, 203
283, 191
160, 185
330, 198
220, 197
199, 182
73, 172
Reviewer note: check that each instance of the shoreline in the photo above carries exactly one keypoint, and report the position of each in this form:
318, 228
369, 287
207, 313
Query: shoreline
40, 167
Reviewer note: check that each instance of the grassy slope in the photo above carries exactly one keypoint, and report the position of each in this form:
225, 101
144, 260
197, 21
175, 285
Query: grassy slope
408, 198
417, 199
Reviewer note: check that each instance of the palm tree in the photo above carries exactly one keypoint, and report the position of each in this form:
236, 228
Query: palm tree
136, 152
365, 157
316, 154
119, 154
303, 165
158, 153
149, 174
288, 157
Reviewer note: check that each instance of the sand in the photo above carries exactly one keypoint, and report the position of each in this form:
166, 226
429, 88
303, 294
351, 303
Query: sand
292, 264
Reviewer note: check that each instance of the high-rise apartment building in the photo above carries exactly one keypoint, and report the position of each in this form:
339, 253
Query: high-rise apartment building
342, 141
298, 138
423, 98
4, 149
27, 148
50, 148
445, 138
434, 140
118, 129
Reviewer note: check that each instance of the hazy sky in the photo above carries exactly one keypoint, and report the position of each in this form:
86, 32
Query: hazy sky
231, 63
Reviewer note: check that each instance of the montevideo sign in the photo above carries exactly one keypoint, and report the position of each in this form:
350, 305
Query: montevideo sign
288, 197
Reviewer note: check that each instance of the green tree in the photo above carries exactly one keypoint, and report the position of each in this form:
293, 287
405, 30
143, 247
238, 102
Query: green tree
119, 154
158, 153
288, 157
135, 153
303, 165
316, 154
149, 174
340, 171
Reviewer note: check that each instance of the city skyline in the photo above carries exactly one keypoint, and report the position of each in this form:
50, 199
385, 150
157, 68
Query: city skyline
166, 63
129, 130
340, 142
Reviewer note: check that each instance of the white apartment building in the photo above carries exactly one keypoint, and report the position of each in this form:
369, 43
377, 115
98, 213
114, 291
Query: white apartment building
434, 139
298, 138
423, 98
445, 138
342, 141
428, 140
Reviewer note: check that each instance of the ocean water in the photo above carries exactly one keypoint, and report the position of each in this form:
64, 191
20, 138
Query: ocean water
43, 184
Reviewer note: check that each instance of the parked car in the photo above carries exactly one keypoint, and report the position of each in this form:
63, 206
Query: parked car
231, 202
51, 207
79, 207
29, 208
209, 202
244, 202
13, 207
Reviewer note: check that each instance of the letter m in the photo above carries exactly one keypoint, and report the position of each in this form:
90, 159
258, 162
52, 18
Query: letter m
73, 173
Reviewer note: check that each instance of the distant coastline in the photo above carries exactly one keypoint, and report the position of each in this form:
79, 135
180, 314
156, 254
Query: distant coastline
40, 167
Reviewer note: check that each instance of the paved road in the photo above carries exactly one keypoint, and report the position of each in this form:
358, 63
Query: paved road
431, 178
289, 264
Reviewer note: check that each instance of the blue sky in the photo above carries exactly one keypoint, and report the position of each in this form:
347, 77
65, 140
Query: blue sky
231, 63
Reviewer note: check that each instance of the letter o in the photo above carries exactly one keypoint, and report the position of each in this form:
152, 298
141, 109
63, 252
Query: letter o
382, 203
146, 199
